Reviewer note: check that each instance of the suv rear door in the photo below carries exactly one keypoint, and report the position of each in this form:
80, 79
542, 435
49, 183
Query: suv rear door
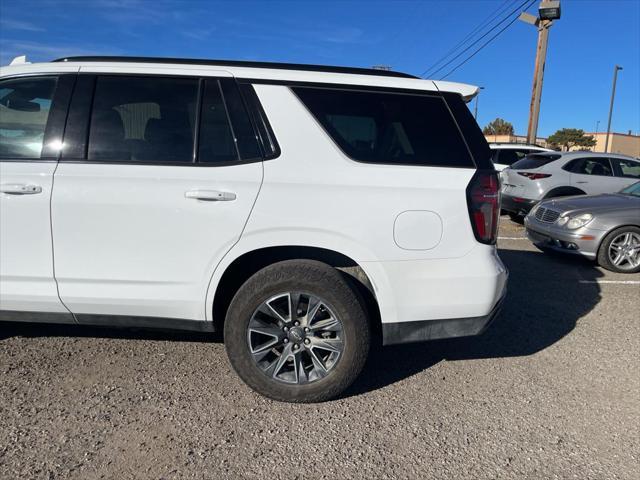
32, 114
156, 184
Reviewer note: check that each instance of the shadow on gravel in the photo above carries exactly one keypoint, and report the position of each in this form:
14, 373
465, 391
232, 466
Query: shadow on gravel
544, 302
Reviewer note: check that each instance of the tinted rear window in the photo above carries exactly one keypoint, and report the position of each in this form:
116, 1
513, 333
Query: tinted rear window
470, 129
534, 161
389, 128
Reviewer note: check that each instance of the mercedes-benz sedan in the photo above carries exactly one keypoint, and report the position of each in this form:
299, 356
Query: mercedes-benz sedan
605, 228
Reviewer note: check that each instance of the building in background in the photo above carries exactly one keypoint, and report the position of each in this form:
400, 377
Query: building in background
542, 142
623, 143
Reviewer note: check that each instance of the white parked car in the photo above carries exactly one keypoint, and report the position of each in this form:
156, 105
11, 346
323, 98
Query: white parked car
296, 208
550, 175
504, 155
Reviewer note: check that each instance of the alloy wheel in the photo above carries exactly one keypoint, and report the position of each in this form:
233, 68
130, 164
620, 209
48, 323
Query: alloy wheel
624, 251
295, 338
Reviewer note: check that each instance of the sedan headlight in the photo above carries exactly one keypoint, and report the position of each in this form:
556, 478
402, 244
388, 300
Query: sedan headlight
579, 221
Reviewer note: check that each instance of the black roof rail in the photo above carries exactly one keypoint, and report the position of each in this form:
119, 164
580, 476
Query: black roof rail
239, 63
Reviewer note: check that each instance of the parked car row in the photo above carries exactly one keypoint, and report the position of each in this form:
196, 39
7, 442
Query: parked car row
583, 203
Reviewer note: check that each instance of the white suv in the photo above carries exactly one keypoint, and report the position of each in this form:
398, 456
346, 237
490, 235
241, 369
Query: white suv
503, 155
296, 208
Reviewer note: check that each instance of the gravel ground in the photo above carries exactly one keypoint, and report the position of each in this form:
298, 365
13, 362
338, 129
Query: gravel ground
550, 391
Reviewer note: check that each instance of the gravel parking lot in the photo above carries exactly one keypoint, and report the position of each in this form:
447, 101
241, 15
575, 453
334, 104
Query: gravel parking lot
552, 390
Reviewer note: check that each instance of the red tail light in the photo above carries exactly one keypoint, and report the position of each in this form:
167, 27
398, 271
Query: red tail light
483, 200
534, 176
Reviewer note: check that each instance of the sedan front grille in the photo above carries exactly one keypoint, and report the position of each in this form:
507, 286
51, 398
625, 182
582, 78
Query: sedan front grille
546, 215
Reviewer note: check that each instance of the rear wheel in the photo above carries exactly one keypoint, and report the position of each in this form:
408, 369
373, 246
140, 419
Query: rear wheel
620, 250
297, 332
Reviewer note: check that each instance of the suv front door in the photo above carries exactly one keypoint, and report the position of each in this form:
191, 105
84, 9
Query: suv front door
155, 188
32, 115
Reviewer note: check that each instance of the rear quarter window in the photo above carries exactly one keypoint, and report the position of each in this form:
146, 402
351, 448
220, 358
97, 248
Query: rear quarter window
533, 161
389, 128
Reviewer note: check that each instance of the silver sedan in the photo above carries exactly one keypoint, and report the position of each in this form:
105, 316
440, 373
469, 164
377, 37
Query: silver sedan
605, 228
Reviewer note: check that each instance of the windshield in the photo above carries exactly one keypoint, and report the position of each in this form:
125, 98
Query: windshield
633, 189
535, 160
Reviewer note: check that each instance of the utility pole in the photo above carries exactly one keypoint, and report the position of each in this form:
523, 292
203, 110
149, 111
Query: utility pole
538, 77
475, 113
613, 96
547, 12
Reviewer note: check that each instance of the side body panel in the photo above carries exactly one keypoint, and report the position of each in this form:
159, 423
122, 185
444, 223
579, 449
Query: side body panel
26, 256
314, 195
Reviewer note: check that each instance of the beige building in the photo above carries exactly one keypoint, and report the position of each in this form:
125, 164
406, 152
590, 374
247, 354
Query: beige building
542, 142
624, 143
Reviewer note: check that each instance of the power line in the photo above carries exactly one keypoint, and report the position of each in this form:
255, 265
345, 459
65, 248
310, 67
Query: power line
490, 18
485, 44
516, 10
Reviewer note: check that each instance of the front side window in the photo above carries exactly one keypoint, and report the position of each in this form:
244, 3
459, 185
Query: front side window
143, 119
24, 112
389, 128
592, 166
626, 168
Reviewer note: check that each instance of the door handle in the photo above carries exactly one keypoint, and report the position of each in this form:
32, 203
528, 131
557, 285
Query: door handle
20, 189
583, 182
210, 195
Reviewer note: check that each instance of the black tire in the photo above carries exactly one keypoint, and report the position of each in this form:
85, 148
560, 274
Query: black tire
322, 281
519, 219
603, 251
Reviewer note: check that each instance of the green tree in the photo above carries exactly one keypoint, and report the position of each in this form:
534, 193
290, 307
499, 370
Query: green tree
498, 127
566, 138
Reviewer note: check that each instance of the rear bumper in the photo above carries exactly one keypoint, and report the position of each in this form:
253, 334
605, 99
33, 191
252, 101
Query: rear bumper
443, 298
518, 205
424, 330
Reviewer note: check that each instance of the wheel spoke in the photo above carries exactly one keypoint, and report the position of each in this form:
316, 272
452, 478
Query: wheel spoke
617, 260
277, 364
318, 366
301, 373
329, 324
330, 344
312, 309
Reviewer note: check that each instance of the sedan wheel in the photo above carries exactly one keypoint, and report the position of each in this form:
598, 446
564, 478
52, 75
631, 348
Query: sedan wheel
620, 250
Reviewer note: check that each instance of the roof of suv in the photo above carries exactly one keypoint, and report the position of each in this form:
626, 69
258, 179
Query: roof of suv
257, 71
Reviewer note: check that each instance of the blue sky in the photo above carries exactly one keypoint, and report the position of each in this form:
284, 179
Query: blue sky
584, 45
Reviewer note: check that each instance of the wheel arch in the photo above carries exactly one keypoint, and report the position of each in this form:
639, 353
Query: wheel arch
564, 192
243, 266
